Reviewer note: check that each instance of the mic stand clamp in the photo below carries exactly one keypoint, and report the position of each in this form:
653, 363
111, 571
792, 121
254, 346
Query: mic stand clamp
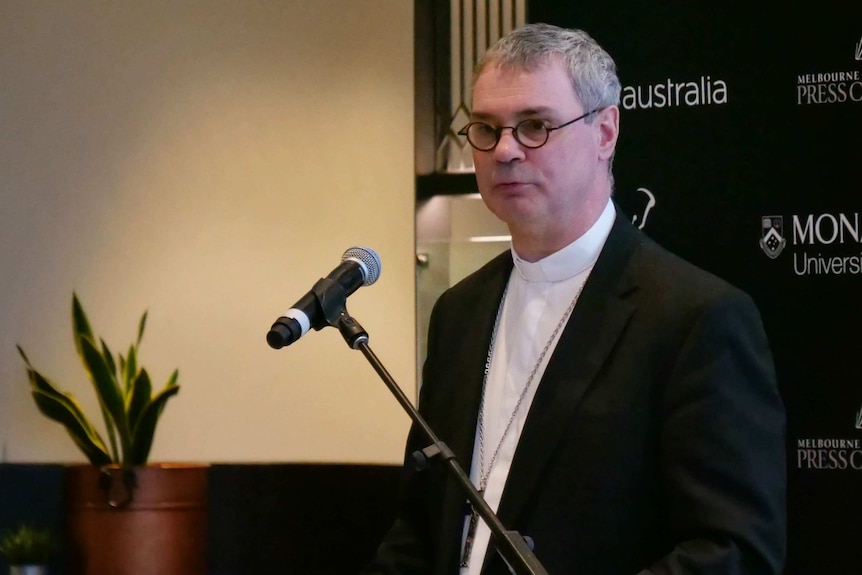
331, 299
511, 545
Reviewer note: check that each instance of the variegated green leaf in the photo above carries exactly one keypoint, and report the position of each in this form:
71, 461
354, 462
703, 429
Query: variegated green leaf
172, 380
42, 384
80, 323
131, 370
108, 357
141, 325
142, 389
86, 438
145, 429
64, 408
107, 389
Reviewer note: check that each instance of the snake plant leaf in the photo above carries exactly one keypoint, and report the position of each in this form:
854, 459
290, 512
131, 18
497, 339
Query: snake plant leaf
61, 409
111, 432
172, 380
125, 376
130, 372
80, 324
83, 331
24, 356
107, 389
41, 384
139, 396
107, 418
141, 326
112, 367
109, 357
145, 428
65, 409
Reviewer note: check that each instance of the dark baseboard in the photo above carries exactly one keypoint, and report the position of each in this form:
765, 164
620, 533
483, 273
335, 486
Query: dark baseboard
298, 518
263, 518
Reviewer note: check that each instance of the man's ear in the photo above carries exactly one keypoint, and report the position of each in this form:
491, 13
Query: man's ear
608, 122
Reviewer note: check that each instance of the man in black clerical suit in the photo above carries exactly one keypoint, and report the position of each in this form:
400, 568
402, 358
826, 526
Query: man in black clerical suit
612, 402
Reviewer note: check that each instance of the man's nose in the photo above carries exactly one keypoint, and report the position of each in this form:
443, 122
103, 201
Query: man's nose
508, 147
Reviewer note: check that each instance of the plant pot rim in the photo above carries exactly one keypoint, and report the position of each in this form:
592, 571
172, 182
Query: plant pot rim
155, 464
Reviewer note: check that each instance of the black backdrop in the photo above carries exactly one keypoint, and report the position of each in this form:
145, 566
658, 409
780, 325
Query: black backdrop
744, 126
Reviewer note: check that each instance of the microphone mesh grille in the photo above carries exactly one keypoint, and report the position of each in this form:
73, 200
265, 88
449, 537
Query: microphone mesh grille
369, 261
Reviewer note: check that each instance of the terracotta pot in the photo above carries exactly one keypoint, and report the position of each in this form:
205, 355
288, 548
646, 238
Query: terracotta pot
144, 520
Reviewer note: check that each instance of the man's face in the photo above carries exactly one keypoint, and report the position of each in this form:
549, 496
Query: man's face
545, 189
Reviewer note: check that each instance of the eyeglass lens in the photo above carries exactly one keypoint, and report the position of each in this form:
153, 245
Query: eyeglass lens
529, 133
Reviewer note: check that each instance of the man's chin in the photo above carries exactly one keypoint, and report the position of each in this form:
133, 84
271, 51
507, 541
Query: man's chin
513, 210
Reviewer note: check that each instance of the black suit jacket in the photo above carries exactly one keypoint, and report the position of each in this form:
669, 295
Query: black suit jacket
655, 442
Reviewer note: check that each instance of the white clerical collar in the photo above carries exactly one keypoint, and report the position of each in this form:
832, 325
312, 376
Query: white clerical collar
573, 259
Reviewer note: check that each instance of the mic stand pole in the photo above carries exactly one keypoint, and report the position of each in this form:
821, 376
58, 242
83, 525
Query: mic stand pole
511, 545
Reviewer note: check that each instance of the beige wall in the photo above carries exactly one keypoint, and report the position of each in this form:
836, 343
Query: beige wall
208, 161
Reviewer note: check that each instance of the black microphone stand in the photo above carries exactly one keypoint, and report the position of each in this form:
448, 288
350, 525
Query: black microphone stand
511, 545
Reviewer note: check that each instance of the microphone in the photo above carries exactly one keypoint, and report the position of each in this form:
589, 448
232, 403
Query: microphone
325, 302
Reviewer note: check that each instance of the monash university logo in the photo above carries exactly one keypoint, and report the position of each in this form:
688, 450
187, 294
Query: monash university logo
827, 244
772, 240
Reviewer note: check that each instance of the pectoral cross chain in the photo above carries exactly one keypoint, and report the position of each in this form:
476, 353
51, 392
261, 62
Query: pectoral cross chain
484, 472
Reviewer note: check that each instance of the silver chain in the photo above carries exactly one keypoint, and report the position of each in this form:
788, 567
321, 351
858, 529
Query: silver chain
483, 474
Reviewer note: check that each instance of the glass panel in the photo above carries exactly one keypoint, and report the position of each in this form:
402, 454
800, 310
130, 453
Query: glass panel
455, 235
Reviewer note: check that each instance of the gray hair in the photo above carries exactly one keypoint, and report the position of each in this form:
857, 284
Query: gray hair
592, 70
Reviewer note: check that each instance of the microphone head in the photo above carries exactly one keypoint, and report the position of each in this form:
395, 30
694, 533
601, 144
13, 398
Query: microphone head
368, 261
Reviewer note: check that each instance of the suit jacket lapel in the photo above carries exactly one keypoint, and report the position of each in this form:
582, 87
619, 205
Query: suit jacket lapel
476, 339
597, 320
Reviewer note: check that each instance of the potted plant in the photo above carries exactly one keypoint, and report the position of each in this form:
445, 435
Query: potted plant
120, 501
129, 409
28, 549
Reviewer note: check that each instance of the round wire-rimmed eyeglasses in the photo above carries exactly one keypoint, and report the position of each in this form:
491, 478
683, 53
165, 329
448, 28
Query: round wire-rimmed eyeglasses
529, 133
